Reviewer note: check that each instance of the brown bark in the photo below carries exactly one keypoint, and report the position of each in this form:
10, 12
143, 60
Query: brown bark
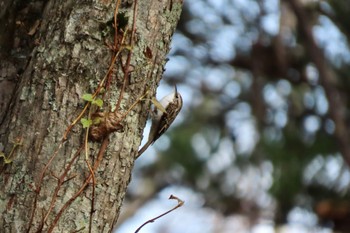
66, 57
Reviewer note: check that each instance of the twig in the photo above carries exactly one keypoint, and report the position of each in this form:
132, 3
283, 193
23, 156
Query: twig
92, 175
104, 82
101, 152
127, 64
38, 188
179, 204
61, 180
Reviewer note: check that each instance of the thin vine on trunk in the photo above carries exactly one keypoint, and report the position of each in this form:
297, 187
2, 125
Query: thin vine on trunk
73, 124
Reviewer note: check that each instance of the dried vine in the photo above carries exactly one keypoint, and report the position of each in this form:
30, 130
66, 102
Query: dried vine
105, 122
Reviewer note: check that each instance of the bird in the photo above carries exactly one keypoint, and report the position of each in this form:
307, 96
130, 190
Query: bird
162, 117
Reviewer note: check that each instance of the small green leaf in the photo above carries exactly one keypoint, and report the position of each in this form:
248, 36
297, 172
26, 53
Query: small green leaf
88, 97
98, 102
86, 122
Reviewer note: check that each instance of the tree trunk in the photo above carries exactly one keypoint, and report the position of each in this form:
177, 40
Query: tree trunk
52, 53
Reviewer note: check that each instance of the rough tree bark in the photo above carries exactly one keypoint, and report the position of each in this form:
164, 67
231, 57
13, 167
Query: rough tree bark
53, 52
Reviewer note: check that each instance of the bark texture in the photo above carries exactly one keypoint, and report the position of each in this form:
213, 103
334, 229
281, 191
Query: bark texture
51, 54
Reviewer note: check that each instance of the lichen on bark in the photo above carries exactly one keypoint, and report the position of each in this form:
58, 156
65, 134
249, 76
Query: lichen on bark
72, 55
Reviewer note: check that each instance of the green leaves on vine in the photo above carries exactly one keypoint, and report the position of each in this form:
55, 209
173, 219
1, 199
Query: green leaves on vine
86, 122
88, 97
94, 101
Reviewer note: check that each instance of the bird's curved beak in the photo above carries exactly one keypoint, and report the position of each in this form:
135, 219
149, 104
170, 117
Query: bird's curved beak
175, 89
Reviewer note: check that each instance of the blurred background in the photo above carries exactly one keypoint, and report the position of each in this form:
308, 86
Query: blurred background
262, 143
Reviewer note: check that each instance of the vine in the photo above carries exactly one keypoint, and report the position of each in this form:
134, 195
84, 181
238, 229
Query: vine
97, 124
8, 159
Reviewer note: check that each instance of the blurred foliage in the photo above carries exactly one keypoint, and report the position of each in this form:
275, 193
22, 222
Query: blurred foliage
256, 133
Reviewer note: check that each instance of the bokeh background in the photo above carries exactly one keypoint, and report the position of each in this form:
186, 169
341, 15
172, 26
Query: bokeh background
262, 144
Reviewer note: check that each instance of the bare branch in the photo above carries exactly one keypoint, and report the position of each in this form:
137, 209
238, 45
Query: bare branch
179, 204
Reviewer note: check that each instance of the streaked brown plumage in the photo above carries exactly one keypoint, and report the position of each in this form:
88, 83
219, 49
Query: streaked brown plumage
161, 121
